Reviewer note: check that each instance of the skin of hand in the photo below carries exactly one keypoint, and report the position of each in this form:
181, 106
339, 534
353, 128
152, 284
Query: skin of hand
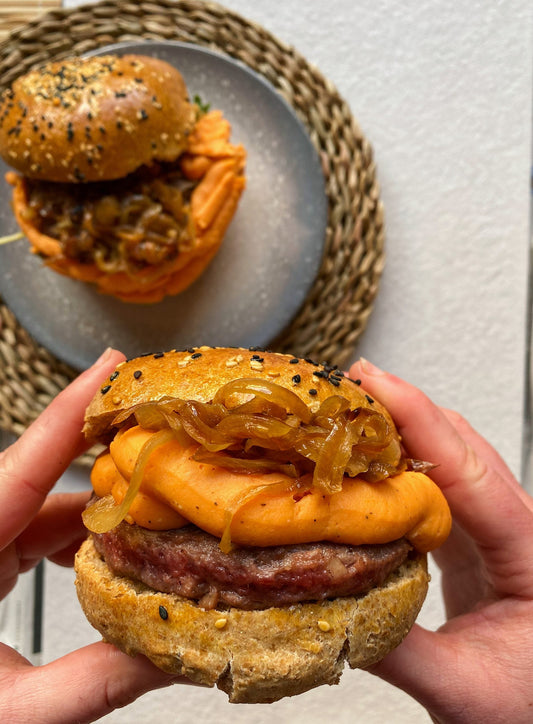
88, 683
478, 666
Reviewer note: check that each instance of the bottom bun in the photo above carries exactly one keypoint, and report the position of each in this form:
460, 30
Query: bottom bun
254, 656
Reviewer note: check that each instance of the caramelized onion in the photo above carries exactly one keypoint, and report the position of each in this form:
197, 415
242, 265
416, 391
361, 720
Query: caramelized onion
255, 425
244, 465
104, 514
332, 458
237, 503
267, 390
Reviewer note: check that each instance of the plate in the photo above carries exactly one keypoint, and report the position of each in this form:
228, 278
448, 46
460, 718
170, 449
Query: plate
267, 262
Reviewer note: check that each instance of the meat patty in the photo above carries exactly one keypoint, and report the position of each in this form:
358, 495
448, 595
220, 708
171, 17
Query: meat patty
189, 562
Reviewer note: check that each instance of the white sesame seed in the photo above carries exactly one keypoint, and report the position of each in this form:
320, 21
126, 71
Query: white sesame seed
234, 361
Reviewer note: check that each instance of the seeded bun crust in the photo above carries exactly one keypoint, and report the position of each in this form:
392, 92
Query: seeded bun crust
198, 373
254, 656
94, 119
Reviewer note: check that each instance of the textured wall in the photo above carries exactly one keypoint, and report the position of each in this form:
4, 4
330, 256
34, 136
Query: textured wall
443, 92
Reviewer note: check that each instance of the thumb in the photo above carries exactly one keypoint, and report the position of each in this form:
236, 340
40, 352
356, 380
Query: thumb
427, 667
82, 686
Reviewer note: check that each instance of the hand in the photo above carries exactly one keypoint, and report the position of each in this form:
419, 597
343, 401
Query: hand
477, 666
90, 682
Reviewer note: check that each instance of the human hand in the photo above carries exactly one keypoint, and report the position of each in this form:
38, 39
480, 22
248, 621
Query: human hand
85, 684
477, 666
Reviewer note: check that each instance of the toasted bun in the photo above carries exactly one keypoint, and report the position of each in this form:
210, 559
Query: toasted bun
254, 656
198, 373
94, 119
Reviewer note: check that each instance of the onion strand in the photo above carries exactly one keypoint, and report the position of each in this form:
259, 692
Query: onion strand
104, 515
256, 426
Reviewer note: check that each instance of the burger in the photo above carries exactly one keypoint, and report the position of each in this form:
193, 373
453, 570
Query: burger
255, 522
120, 180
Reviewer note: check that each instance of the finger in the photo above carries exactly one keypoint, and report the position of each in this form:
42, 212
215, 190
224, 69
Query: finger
426, 666
31, 466
82, 686
463, 579
481, 500
485, 451
56, 528
474, 669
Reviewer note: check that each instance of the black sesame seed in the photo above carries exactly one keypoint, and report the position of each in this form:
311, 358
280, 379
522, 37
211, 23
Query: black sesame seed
159, 355
334, 381
105, 389
313, 392
137, 374
114, 375
144, 115
357, 382
258, 358
321, 373
294, 361
296, 379
163, 613
369, 399
196, 355
102, 130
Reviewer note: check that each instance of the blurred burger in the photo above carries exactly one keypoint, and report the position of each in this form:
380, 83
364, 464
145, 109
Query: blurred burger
255, 524
120, 180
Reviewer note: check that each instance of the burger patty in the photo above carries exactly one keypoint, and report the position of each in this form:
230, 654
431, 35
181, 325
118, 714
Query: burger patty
189, 562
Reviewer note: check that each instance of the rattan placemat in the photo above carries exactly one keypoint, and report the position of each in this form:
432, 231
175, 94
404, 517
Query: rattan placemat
14, 13
336, 310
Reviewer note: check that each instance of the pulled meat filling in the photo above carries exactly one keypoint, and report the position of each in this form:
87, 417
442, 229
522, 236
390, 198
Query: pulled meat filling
121, 226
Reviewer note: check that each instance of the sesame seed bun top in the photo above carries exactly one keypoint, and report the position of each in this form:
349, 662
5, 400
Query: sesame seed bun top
94, 119
198, 373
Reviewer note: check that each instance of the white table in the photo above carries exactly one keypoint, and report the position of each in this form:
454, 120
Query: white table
443, 92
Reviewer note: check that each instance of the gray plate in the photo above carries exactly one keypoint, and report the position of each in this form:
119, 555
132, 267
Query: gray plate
267, 262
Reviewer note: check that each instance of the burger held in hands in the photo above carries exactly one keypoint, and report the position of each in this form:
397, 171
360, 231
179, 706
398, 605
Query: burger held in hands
120, 180
255, 522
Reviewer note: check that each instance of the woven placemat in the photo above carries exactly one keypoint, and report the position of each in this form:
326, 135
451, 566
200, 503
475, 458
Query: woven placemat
336, 310
14, 13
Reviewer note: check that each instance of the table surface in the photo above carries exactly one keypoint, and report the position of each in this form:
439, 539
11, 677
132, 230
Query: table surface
443, 93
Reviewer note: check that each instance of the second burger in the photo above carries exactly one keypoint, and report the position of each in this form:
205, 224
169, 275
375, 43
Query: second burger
121, 181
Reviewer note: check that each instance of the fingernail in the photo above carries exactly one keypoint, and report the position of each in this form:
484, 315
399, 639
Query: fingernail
369, 368
106, 354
